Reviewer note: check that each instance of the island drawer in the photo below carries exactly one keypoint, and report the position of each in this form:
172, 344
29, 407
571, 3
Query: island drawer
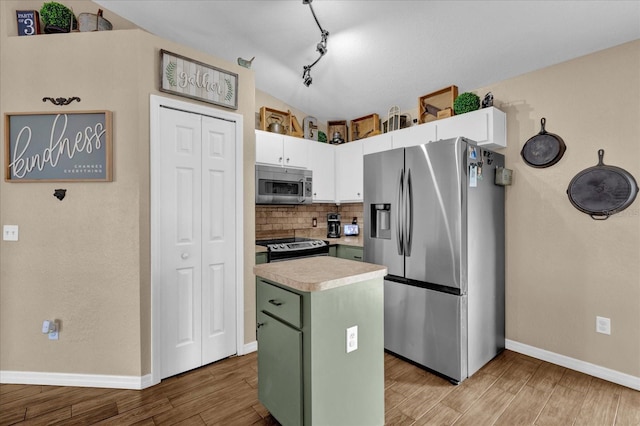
279, 303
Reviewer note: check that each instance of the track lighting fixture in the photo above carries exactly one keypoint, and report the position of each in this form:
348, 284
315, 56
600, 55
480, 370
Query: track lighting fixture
320, 47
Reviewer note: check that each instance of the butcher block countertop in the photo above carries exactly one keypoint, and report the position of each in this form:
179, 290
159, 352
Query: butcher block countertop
319, 273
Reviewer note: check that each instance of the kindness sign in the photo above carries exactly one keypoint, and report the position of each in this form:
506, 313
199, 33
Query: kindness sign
73, 146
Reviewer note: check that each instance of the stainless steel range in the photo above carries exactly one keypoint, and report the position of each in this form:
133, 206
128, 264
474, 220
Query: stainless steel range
291, 248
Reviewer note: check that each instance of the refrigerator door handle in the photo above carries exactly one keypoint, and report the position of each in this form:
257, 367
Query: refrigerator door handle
408, 215
399, 214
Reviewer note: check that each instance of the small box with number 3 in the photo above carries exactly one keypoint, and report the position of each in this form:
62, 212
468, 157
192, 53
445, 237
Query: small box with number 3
28, 22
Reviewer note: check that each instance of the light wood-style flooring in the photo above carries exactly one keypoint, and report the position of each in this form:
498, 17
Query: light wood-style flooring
513, 389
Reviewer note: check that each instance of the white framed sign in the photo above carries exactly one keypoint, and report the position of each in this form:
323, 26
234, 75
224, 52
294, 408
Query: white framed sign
193, 79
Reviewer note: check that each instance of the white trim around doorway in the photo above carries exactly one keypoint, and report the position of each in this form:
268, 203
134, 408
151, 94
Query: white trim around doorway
156, 102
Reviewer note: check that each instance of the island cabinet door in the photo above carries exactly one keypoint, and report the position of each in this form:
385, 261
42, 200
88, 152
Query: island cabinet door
280, 369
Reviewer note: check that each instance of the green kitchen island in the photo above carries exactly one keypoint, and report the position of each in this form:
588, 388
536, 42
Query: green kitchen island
320, 337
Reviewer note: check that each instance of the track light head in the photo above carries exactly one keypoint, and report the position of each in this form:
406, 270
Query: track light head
306, 76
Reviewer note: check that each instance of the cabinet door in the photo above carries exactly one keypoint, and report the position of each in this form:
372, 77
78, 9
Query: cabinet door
473, 125
377, 143
414, 135
350, 252
269, 148
261, 258
349, 172
322, 163
295, 152
280, 369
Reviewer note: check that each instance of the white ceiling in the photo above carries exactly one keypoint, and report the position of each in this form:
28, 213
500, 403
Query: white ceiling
385, 53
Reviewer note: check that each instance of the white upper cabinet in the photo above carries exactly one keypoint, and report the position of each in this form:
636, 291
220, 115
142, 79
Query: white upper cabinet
376, 143
281, 150
486, 126
414, 135
349, 172
322, 164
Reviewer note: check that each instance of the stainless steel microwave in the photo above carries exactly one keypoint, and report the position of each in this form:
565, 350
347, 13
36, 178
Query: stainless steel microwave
281, 185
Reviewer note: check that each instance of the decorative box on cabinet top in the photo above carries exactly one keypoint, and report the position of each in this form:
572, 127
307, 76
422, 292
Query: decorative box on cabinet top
363, 127
436, 105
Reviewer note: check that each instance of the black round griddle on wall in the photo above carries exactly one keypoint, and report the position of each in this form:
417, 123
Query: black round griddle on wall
602, 190
544, 149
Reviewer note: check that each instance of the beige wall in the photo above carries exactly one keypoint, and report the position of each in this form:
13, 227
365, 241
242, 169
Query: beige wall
564, 268
86, 260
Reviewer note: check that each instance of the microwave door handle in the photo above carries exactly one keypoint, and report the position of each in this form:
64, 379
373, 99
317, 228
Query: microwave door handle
408, 215
301, 196
399, 214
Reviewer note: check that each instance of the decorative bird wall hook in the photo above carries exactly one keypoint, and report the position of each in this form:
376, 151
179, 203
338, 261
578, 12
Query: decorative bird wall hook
245, 63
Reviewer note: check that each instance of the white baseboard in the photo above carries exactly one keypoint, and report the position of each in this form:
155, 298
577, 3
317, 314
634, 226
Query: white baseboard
135, 382
71, 379
250, 347
89, 380
575, 364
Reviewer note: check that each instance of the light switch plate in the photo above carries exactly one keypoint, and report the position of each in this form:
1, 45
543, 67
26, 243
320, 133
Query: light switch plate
603, 325
10, 232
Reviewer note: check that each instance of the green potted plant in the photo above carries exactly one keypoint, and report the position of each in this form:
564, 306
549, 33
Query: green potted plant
57, 18
466, 102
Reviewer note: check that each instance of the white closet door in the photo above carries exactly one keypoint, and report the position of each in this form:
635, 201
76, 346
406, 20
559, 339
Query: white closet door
181, 241
198, 246
218, 245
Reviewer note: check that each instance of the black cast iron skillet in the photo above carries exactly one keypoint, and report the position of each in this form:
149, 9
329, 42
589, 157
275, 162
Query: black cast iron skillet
602, 190
544, 149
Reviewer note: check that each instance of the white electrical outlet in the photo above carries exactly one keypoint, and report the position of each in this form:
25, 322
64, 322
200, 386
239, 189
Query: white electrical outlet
51, 328
10, 232
603, 325
352, 338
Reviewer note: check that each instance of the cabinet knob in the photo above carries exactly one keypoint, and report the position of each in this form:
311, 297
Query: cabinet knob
260, 324
287, 159
275, 302
280, 160
184, 255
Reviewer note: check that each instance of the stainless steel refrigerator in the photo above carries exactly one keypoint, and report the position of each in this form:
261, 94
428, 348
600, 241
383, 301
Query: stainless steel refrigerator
435, 218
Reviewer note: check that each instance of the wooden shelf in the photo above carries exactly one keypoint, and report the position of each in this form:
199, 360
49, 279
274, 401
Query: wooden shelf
363, 127
338, 126
268, 115
436, 105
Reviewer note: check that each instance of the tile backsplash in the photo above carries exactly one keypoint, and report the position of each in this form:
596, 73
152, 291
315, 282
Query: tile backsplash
297, 221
